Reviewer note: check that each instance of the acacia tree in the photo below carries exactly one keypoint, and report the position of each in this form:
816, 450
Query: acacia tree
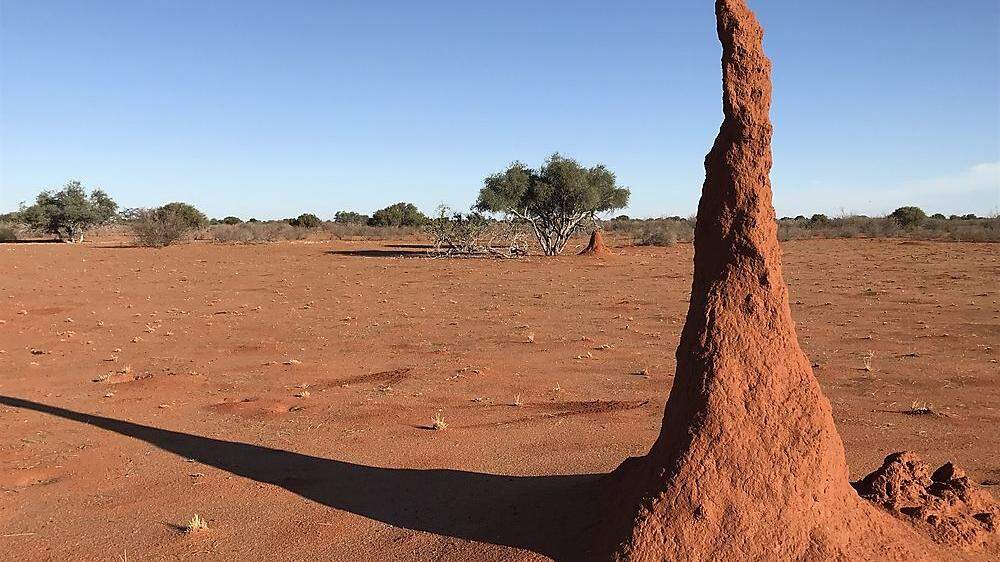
908, 217
306, 220
398, 214
185, 213
351, 217
68, 213
555, 199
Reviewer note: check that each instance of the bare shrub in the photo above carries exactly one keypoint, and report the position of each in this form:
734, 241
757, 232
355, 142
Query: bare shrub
254, 232
230, 233
346, 230
965, 228
657, 235
157, 228
653, 232
665, 232
472, 234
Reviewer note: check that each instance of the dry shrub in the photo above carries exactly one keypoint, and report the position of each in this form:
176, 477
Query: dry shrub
859, 226
653, 232
156, 228
666, 231
657, 235
8, 232
358, 231
254, 232
472, 234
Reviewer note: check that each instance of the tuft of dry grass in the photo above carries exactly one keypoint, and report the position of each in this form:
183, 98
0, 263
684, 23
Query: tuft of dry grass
866, 360
438, 423
517, 400
921, 409
195, 524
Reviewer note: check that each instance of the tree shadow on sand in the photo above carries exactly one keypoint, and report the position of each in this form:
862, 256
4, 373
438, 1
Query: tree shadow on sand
549, 515
380, 253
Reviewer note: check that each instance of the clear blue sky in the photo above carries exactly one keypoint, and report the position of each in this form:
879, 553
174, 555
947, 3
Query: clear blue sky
269, 109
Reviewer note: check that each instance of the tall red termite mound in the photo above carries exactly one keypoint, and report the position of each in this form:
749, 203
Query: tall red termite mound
748, 464
596, 246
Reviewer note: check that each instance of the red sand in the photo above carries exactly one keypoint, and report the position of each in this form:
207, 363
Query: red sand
748, 464
350, 473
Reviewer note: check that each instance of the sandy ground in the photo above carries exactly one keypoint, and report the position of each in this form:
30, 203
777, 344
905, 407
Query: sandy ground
284, 392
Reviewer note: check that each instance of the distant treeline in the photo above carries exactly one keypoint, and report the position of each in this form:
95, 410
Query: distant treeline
71, 211
905, 222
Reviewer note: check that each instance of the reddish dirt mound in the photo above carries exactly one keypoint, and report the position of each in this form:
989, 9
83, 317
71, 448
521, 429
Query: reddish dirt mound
596, 246
748, 464
950, 507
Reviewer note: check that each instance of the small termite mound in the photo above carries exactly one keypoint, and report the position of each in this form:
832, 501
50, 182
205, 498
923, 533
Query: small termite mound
596, 247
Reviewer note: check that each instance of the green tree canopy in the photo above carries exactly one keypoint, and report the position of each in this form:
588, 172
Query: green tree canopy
908, 217
399, 214
70, 212
351, 217
306, 220
554, 199
185, 213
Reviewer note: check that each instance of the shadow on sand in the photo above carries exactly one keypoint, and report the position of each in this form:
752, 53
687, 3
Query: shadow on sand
549, 515
380, 253
34, 241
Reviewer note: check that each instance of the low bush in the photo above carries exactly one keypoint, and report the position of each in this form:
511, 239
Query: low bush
156, 228
351, 217
472, 234
8, 232
252, 232
653, 232
908, 217
860, 226
399, 214
356, 231
306, 220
